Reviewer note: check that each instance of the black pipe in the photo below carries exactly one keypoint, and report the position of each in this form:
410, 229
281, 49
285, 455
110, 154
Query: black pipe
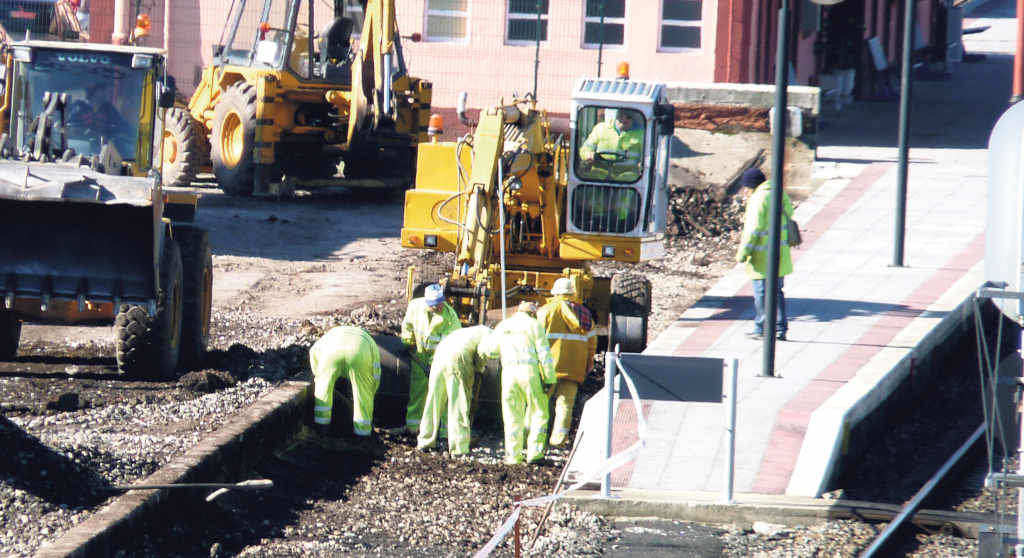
899, 229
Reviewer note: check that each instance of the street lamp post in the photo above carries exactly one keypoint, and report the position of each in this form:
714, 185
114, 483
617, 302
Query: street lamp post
778, 158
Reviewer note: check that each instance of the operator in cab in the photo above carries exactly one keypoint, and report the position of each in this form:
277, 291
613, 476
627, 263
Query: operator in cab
613, 148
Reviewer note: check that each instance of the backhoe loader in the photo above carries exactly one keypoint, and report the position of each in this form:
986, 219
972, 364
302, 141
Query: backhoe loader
287, 99
89, 236
520, 207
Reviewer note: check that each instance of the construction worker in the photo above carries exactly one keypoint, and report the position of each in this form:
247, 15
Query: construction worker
754, 246
569, 326
345, 351
526, 366
615, 147
457, 359
427, 320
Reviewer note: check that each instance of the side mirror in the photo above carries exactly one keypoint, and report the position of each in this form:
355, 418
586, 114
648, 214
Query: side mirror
166, 96
665, 114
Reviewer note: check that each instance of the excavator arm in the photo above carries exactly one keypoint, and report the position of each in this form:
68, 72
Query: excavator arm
370, 102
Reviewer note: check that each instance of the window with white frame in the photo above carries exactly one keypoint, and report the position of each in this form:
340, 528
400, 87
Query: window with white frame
680, 24
613, 33
522, 21
447, 20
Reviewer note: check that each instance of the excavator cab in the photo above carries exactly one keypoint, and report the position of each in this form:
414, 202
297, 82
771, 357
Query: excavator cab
617, 179
274, 35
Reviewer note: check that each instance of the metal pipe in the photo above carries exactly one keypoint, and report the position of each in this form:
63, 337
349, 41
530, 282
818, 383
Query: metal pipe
778, 157
501, 238
386, 109
609, 372
536, 54
118, 36
731, 429
600, 44
899, 227
310, 45
919, 498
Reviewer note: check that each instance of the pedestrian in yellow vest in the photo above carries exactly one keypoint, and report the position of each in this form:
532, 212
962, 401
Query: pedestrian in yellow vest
569, 326
754, 246
526, 366
350, 352
427, 320
457, 359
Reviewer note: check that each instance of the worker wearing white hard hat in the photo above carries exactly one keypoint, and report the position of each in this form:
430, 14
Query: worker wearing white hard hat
457, 359
526, 366
427, 320
570, 332
349, 352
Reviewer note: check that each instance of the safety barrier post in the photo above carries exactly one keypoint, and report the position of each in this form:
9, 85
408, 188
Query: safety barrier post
609, 372
517, 538
731, 429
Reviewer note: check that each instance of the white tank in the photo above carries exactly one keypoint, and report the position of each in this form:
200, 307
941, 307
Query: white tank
1004, 226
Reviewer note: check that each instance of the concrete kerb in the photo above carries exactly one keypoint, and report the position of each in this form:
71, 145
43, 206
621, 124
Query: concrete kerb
220, 457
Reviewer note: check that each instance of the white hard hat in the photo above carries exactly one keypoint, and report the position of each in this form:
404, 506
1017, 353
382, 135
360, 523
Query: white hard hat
434, 294
563, 286
528, 306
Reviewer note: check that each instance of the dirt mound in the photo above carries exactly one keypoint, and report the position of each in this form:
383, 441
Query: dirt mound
718, 118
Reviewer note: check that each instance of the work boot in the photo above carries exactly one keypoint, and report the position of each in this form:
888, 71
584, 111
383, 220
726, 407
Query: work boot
755, 334
781, 336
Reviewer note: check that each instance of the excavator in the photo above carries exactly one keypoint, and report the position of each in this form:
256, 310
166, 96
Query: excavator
287, 99
520, 206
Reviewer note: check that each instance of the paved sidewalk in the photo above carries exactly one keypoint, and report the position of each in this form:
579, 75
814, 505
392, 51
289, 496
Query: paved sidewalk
855, 320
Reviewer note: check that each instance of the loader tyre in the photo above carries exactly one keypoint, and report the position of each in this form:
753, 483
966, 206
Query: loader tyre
181, 148
628, 313
10, 334
148, 346
233, 139
197, 298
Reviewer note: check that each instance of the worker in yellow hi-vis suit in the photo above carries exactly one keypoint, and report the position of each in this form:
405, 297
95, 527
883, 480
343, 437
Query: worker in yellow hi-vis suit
345, 351
427, 320
526, 366
456, 360
569, 326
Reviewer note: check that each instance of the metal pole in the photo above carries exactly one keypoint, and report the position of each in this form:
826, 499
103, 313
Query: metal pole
778, 160
899, 228
167, 27
600, 44
730, 463
118, 36
609, 372
536, 54
1020, 470
1018, 58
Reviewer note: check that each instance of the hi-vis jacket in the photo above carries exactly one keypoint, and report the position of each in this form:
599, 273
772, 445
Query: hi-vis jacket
572, 339
753, 248
522, 345
423, 329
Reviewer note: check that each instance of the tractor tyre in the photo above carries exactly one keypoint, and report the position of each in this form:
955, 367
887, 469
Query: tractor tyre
628, 312
233, 139
197, 281
181, 148
148, 346
10, 334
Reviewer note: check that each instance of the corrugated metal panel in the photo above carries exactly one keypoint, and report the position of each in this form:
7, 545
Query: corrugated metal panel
620, 89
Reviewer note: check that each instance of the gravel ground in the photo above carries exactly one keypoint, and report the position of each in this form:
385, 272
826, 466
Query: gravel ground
71, 438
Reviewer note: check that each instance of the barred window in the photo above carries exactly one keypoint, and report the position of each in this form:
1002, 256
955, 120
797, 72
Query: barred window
522, 21
614, 23
447, 20
680, 24
605, 209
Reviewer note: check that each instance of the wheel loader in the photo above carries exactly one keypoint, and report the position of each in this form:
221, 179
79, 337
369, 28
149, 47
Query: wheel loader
287, 99
89, 235
520, 206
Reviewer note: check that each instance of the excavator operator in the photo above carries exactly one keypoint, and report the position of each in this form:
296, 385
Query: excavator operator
612, 149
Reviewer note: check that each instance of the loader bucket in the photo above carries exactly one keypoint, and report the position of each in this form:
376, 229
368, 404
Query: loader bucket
61, 252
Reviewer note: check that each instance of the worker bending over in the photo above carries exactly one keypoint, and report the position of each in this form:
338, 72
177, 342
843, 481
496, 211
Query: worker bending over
526, 366
457, 359
427, 320
569, 326
350, 352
